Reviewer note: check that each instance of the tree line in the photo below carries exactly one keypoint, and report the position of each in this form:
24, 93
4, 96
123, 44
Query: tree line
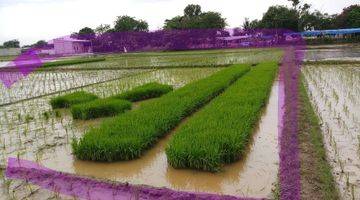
299, 17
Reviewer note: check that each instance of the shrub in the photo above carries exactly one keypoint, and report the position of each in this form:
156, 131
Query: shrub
100, 108
219, 132
68, 100
147, 91
126, 136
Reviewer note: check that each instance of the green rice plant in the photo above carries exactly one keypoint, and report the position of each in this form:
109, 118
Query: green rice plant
71, 62
68, 100
100, 108
147, 91
219, 133
127, 136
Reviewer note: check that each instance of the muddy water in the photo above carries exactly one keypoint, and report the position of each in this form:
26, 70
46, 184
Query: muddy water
333, 52
334, 92
252, 176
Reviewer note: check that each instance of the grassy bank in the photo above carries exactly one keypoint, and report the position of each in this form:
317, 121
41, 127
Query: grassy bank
71, 62
317, 181
100, 108
126, 136
71, 99
147, 91
219, 133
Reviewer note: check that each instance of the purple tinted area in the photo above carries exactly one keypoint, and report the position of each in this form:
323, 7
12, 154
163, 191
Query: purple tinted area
289, 169
162, 40
87, 188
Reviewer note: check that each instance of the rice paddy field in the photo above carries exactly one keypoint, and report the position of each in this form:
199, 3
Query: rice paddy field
194, 121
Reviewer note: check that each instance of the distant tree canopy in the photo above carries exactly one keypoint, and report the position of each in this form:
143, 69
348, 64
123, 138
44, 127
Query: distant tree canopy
300, 18
194, 18
40, 44
103, 28
126, 23
11, 44
349, 18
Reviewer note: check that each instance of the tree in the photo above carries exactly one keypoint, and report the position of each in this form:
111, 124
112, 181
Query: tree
126, 23
40, 44
192, 10
349, 18
86, 33
194, 18
212, 20
102, 28
280, 17
12, 44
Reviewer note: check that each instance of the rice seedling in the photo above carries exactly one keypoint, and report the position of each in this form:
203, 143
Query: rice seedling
28, 118
100, 108
147, 91
68, 100
219, 133
126, 136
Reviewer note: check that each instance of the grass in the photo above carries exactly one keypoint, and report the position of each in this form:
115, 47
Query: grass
68, 100
100, 108
71, 62
127, 136
147, 91
219, 133
315, 169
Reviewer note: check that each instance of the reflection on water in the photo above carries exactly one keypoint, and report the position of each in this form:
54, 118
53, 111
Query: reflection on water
254, 175
334, 92
340, 52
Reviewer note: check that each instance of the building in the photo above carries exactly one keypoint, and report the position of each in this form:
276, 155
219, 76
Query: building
70, 46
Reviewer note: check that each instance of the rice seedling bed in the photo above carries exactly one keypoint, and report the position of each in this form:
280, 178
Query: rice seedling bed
127, 136
219, 133
100, 108
143, 92
71, 99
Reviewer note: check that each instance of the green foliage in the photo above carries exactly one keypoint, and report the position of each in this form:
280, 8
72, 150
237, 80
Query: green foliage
127, 136
280, 17
11, 44
219, 133
127, 23
71, 62
86, 33
99, 108
349, 18
147, 91
194, 18
68, 100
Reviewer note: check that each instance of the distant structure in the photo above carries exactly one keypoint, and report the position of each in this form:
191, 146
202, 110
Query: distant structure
332, 33
71, 46
10, 51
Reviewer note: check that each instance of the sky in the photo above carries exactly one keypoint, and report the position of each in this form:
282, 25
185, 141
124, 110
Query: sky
33, 20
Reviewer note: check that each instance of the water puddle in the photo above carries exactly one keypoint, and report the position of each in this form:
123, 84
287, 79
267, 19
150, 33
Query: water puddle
334, 92
253, 176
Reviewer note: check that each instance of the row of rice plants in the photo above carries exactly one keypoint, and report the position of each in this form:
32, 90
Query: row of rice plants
127, 136
119, 103
219, 133
100, 108
68, 100
147, 91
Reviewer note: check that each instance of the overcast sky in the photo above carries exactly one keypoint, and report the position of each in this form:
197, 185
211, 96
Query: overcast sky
32, 20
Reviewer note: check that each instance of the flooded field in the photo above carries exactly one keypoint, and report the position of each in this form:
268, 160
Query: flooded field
255, 175
31, 130
334, 92
332, 52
